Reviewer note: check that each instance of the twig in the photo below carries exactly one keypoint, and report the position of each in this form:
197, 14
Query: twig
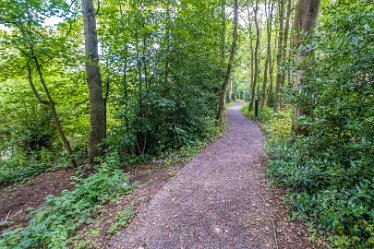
275, 235
19, 212
7, 216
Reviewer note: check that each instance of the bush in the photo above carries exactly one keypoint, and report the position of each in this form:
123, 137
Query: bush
276, 125
21, 167
329, 172
54, 223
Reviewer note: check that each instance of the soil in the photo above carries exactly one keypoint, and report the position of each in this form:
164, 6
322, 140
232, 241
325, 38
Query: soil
150, 179
14, 201
218, 200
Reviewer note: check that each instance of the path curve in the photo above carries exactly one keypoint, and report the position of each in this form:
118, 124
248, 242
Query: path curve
219, 200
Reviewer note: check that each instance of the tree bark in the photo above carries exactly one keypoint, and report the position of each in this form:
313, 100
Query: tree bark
55, 117
49, 100
305, 19
279, 55
251, 87
268, 61
34, 90
167, 37
256, 59
231, 89
221, 107
97, 106
285, 44
271, 69
223, 34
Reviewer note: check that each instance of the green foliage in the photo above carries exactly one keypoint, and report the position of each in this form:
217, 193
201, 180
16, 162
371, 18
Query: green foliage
54, 223
276, 125
20, 168
161, 64
123, 219
170, 68
188, 151
329, 171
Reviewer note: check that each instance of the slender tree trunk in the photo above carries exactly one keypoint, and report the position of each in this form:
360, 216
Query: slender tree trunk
256, 59
167, 37
34, 90
231, 89
140, 113
263, 94
305, 19
252, 85
285, 44
55, 117
268, 52
221, 107
271, 67
223, 34
289, 54
49, 100
107, 89
97, 106
125, 55
279, 55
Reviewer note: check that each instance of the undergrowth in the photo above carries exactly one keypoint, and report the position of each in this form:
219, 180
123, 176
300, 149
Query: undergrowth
21, 168
333, 198
54, 224
189, 150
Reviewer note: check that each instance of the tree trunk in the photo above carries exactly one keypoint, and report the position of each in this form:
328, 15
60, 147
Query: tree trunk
221, 107
251, 87
97, 107
231, 90
256, 59
285, 44
51, 104
223, 34
49, 100
270, 56
305, 19
167, 37
268, 51
279, 55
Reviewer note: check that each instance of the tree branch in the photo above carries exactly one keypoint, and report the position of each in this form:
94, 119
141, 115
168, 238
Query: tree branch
36, 93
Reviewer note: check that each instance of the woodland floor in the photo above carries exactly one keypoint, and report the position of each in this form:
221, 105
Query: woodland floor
218, 200
15, 200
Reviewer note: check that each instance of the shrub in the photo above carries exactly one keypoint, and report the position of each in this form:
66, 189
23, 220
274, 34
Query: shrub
329, 172
54, 223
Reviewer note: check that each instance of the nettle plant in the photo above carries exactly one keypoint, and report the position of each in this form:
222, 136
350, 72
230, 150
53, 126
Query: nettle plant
54, 224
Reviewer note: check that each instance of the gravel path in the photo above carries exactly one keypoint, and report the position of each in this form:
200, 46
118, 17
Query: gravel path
218, 200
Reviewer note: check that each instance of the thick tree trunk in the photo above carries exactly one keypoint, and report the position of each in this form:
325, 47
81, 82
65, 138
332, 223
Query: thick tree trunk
279, 55
221, 107
97, 106
305, 20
